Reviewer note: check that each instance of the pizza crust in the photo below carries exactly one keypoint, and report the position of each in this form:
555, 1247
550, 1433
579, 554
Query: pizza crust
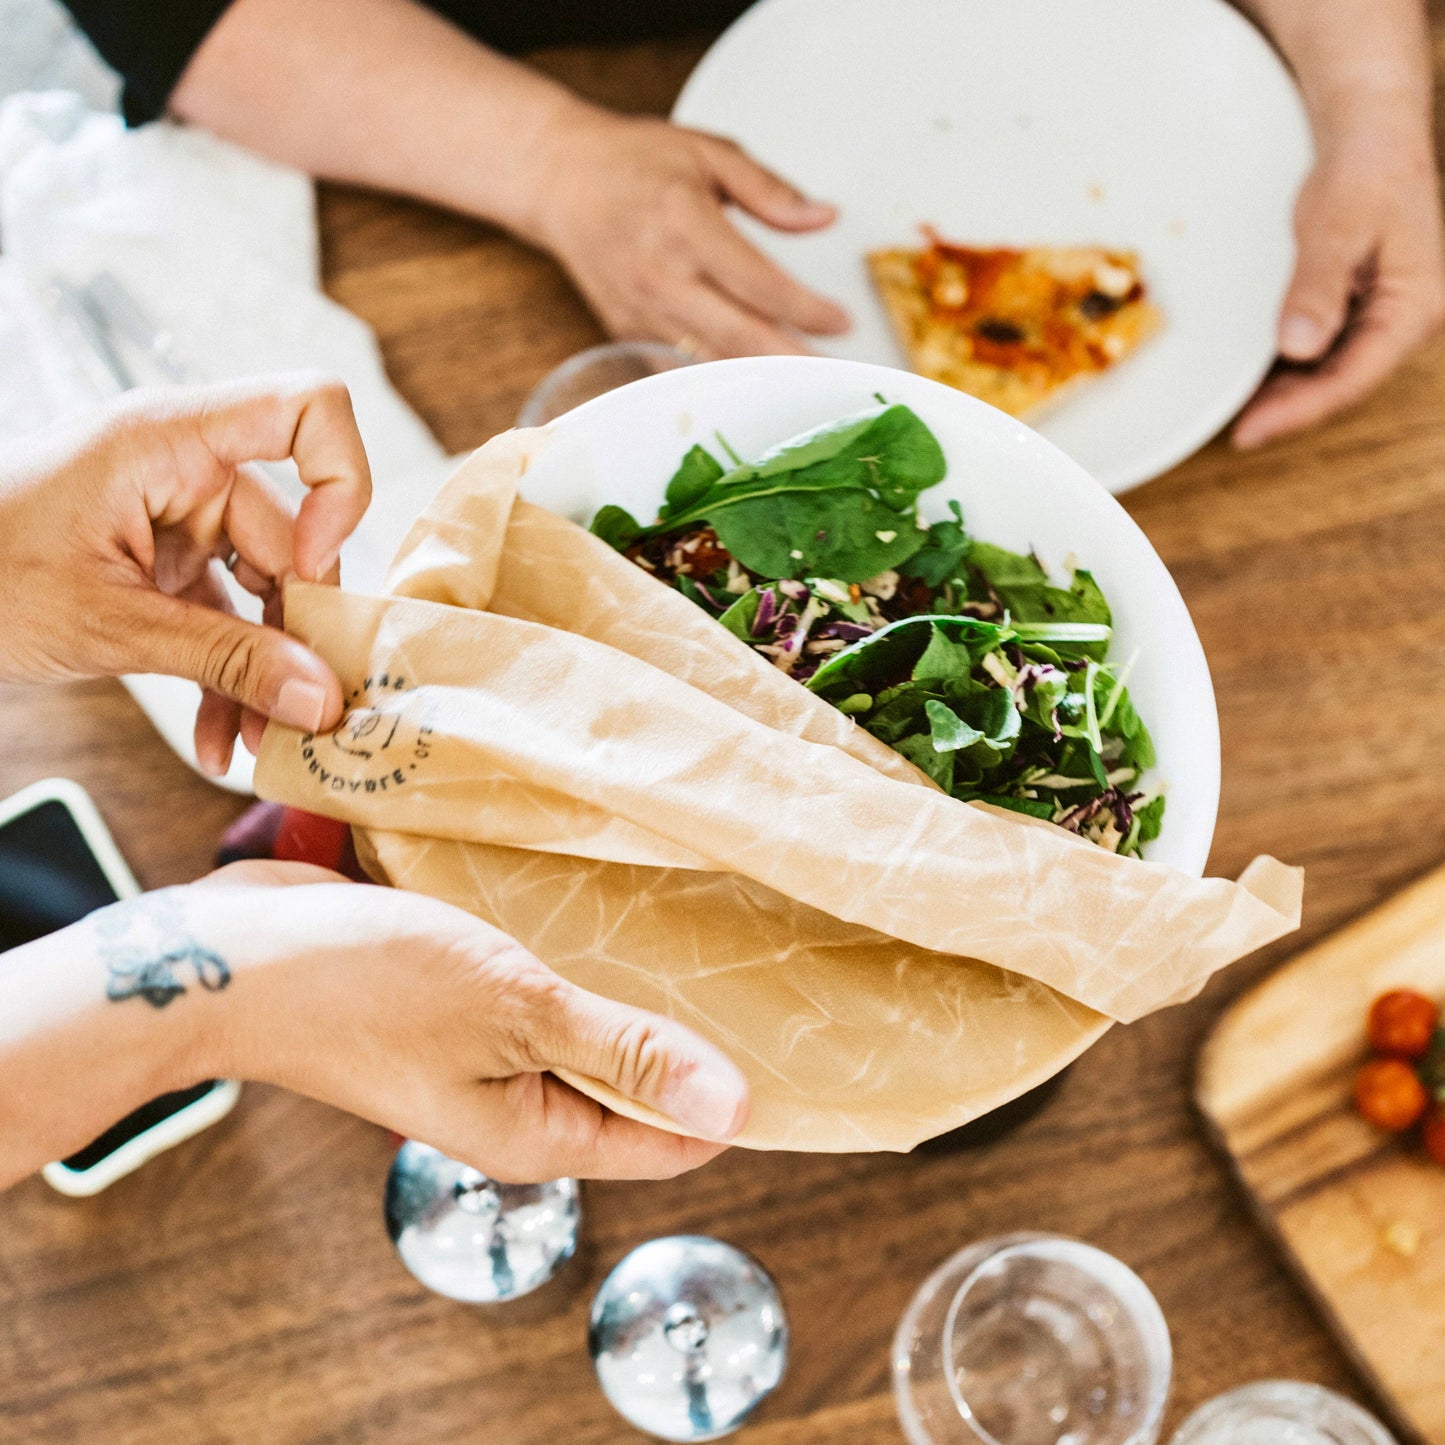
1039, 292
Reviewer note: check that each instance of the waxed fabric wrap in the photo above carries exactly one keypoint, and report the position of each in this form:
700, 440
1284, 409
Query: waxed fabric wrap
541, 733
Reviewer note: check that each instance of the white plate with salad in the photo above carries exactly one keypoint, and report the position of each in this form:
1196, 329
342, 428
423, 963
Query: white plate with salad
934, 568
1172, 131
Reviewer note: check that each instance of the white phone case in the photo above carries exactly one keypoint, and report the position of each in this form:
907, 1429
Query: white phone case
215, 1104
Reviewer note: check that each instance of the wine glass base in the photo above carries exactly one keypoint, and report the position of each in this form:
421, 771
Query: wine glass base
688, 1337
1281, 1412
471, 1238
1032, 1340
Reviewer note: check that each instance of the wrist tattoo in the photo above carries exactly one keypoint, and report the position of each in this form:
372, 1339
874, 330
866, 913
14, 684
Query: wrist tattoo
149, 953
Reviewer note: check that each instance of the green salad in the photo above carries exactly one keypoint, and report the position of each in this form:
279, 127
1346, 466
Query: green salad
964, 657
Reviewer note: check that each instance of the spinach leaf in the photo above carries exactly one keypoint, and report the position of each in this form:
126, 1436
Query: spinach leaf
919, 751
948, 731
940, 559
886, 448
845, 534
739, 618
835, 502
688, 587
1034, 807
949, 660
616, 526
698, 471
992, 711
900, 711
892, 653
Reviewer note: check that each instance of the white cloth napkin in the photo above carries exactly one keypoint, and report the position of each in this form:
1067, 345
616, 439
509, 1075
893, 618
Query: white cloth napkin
220, 248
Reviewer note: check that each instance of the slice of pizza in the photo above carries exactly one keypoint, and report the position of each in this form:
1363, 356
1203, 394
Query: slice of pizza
1014, 328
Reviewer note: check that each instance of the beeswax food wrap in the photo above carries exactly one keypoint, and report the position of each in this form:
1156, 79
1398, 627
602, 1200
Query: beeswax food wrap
540, 733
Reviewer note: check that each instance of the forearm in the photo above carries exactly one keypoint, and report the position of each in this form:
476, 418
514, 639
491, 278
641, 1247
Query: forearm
1357, 61
378, 92
80, 1043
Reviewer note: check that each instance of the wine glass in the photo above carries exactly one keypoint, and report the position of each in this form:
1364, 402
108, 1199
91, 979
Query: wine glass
1032, 1339
472, 1239
1281, 1412
592, 372
688, 1336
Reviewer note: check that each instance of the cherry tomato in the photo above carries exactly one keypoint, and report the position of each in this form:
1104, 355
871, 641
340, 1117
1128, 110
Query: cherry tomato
1435, 1136
1402, 1023
1389, 1094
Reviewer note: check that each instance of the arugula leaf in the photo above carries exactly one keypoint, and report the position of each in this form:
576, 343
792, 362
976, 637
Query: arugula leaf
1148, 820
697, 472
616, 526
1025, 590
1145, 827
835, 502
1124, 722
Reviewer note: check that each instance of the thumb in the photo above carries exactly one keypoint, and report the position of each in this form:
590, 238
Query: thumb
259, 667
1331, 251
645, 1057
761, 192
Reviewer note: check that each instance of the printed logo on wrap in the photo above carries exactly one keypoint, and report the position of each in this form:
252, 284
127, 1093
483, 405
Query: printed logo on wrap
383, 737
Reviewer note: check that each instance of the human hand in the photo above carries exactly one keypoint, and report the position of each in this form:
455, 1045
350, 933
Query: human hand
416, 1015
1369, 281
111, 538
634, 208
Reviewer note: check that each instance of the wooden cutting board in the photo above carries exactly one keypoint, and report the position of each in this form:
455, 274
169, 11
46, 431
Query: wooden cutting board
1360, 1216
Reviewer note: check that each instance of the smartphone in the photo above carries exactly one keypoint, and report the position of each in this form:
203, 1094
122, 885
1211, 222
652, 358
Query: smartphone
58, 863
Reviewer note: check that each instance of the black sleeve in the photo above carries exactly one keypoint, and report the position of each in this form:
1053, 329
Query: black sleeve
149, 41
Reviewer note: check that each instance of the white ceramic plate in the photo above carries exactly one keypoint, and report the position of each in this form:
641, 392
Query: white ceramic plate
1015, 488
1164, 126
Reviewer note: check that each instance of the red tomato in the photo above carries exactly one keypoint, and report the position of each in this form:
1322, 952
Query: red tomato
1389, 1094
1402, 1023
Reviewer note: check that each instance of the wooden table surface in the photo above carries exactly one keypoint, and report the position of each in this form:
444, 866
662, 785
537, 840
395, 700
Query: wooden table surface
242, 1288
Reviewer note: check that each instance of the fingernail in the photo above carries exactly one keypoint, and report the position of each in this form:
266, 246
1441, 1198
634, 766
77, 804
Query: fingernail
323, 570
1301, 338
710, 1100
211, 764
301, 704
815, 211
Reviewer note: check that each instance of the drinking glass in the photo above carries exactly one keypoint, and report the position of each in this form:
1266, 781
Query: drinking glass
1032, 1339
1281, 1412
688, 1336
472, 1239
593, 372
